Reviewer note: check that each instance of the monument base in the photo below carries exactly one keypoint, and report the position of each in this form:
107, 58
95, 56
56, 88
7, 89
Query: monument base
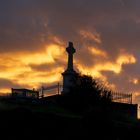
68, 80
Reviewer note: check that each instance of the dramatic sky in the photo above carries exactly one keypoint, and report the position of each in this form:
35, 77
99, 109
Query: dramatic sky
35, 33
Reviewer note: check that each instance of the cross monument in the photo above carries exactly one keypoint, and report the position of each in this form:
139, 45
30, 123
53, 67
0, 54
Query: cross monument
69, 73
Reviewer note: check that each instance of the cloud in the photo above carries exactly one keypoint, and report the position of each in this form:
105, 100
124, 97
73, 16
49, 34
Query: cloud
34, 34
31, 70
98, 67
6, 85
90, 36
98, 52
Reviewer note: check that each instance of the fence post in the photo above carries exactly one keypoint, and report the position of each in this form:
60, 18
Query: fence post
131, 98
58, 88
42, 92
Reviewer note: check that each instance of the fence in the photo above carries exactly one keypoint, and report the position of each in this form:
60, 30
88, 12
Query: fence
51, 90
121, 97
57, 88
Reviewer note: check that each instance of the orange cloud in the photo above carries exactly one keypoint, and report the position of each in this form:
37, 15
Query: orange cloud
17, 69
126, 59
4, 91
34, 78
51, 53
92, 36
116, 67
11, 66
98, 52
135, 81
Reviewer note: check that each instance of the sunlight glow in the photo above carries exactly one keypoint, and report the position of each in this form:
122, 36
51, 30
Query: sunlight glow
4, 91
51, 53
36, 78
18, 69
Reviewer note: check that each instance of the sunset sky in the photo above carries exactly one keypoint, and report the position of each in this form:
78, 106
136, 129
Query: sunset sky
35, 33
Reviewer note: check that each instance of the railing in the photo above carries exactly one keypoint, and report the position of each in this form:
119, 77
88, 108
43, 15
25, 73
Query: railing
57, 88
121, 97
50, 90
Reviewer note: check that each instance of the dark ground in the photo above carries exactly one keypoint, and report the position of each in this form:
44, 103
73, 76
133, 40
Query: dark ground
30, 121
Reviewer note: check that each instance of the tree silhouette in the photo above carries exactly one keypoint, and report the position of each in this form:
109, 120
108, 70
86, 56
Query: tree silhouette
86, 86
86, 92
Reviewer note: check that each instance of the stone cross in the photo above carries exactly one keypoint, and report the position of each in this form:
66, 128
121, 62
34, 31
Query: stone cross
70, 50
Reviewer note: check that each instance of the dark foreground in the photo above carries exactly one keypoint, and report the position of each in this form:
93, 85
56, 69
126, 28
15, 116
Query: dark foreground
24, 122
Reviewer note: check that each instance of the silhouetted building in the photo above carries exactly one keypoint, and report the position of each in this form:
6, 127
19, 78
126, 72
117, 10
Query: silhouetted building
69, 73
25, 93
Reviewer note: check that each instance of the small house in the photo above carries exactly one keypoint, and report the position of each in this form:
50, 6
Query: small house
25, 93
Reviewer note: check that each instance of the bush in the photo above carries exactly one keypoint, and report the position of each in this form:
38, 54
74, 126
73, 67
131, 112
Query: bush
86, 93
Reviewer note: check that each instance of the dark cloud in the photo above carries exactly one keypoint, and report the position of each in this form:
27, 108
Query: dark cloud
24, 20
124, 81
6, 83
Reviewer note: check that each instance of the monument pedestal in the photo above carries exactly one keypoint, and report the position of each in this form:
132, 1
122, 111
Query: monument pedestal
68, 81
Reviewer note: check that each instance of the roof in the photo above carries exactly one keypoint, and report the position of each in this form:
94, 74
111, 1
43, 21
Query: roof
24, 89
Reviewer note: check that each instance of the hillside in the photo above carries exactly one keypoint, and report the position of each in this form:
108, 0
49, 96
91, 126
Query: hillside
47, 119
